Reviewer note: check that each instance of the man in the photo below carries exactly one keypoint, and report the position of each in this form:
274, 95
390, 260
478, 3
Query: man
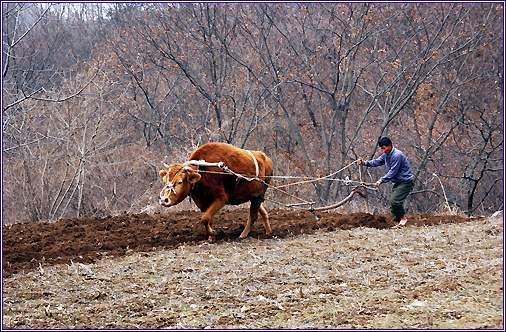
399, 172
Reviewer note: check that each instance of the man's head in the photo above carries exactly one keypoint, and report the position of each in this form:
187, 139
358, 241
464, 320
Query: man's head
385, 143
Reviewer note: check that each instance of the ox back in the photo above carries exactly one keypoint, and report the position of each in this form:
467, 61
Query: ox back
227, 187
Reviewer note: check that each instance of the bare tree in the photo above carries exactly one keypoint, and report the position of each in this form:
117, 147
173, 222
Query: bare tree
208, 31
96, 95
33, 62
39, 82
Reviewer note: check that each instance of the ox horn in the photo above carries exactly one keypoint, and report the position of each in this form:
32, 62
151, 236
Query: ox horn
166, 166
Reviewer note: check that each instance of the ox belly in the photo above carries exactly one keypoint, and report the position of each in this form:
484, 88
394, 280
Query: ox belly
232, 192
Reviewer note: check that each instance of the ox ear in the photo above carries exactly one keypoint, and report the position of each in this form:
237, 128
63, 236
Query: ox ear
193, 177
163, 173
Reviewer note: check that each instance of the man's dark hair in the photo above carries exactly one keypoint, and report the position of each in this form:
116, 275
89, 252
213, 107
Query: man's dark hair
384, 141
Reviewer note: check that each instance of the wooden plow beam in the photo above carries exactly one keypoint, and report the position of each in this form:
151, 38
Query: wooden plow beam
349, 197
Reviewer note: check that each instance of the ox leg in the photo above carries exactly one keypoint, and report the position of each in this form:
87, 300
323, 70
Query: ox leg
253, 215
207, 218
265, 218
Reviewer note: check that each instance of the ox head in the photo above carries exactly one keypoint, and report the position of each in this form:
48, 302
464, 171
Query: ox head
178, 180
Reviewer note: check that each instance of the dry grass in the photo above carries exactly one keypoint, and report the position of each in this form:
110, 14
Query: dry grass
446, 277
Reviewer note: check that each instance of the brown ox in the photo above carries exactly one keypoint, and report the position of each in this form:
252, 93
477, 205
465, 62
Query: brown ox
213, 186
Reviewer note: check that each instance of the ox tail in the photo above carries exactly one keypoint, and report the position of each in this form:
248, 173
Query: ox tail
265, 218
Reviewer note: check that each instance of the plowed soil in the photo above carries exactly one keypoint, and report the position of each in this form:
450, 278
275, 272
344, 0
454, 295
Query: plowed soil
86, 240
342, 271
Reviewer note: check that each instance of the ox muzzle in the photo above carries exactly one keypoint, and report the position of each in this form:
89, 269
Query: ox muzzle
169, 187
164, 200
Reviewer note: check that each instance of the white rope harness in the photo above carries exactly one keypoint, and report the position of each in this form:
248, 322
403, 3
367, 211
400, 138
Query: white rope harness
225, 170
307, 179
254, 160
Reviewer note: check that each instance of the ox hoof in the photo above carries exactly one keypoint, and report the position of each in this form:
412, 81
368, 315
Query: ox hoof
244, 233
212, 238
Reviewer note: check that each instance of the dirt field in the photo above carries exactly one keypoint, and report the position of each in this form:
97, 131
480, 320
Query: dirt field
341, 271
85, 240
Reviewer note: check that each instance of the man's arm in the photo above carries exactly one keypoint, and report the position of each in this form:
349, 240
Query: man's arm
376, 162
394, 169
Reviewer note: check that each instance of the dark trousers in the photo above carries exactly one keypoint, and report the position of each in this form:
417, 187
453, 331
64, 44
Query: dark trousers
399, 193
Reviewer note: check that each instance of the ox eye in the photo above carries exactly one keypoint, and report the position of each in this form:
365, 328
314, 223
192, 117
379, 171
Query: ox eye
180, 182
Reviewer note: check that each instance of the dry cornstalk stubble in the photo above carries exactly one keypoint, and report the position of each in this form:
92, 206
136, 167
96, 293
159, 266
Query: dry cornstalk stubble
441, 276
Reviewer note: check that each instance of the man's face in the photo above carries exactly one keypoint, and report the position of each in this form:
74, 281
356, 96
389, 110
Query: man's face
386, 148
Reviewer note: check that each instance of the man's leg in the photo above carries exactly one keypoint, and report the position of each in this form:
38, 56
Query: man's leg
399, 193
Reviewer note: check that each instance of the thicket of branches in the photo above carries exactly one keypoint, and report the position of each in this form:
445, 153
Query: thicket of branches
96, 96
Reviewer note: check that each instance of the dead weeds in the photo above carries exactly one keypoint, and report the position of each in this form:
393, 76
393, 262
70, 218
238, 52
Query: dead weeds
447, 276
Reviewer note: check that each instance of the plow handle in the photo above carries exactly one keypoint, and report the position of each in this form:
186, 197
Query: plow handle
361, 171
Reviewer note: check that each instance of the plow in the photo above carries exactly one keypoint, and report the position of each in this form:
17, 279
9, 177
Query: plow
360, 187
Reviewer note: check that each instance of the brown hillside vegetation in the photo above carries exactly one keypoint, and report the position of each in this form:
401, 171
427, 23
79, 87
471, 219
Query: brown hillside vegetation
342, 271
111, 91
